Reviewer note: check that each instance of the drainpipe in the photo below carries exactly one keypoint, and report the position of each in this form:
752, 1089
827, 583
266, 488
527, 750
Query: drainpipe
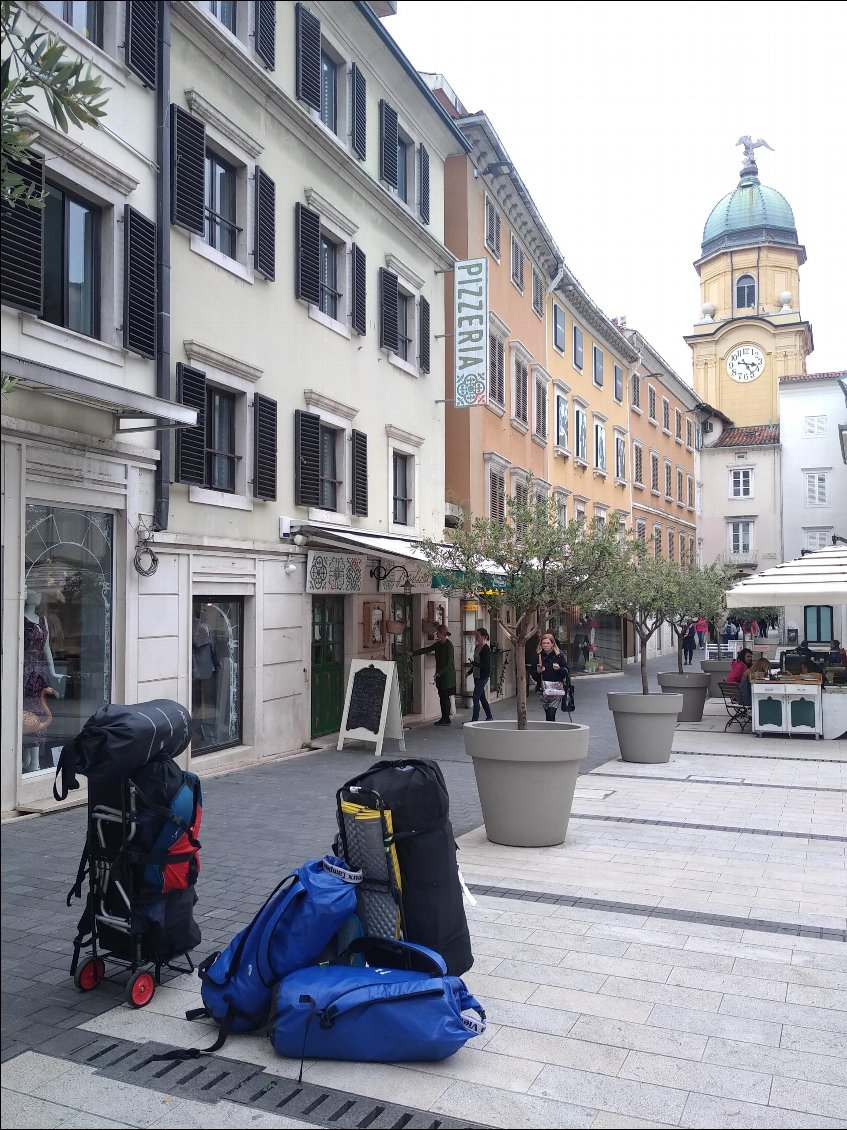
163, 260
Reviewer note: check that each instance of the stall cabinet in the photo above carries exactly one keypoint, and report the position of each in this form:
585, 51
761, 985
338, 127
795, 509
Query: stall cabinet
787, 708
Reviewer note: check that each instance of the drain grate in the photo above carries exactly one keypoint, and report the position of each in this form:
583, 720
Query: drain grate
216, 1078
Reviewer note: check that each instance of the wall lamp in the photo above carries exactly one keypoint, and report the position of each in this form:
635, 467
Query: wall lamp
380, 574
498, 167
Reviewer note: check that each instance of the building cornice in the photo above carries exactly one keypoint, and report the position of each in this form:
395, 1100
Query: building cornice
403, 271
316, 399
212, 116
329, 211
572, 293
409, 438
75, 152
205, 354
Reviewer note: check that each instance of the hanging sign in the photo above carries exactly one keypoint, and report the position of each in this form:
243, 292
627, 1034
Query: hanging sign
372, 704
470, 320
328, 572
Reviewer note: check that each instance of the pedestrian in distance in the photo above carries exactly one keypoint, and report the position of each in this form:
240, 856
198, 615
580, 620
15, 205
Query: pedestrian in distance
689, 642
480, 668
702, 626
445, 670
552, 668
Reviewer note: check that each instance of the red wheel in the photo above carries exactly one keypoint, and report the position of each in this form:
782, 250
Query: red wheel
140, 989
89, 975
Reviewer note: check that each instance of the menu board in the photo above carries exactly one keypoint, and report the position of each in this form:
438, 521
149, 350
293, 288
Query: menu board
372, 704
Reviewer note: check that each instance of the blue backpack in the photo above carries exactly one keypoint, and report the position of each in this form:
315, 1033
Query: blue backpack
296, 923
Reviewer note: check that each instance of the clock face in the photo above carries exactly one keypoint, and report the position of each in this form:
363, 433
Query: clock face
745, 363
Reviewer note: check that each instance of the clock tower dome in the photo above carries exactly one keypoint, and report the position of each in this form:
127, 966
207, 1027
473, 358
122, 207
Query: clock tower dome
751, 332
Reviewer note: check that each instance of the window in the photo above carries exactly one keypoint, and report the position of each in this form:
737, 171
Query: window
690, 480
599, 515
654, 472
497, 494
598, 366
492, 227
619, 384
221, 231
521, 410
221, 458
329, 474
745, 293
638, 464
561, 421
692, 556
402, 479
740, 483
817, 619
496, 370
217, 672
668, 479
651, 403
815, 426
816, 539
521, 492
657, 541
405, 325
666, 415
581, 433
87, 18
671, 545
620, 458
678, 418
558, 328
541, 408
599, 446
561, 509
71, 263
577, 348
682, 558
517, 265
404, 149
635, 393
537, 293
329, 278
641, 530
680, 485
689, 434
817, 488
329, 92
741, 538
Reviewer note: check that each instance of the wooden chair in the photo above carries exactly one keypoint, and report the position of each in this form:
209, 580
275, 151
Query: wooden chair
739, 714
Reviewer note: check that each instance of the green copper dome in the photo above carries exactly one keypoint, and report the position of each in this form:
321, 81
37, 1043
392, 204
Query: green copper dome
752, 213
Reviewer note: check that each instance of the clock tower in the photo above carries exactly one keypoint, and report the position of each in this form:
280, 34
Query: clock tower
751, 332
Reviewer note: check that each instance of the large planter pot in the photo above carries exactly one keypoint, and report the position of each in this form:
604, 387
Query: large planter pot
645, 724
526, 778
718, 669
693, 686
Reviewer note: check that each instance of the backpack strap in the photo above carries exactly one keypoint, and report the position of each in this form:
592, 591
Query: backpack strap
341, 871
395, 954
235, 964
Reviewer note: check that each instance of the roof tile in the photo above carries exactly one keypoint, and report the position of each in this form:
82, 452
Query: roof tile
798, 378
754, 435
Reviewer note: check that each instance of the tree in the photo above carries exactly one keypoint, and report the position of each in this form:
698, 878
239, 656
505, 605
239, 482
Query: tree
34, 68
696, 591
527, 563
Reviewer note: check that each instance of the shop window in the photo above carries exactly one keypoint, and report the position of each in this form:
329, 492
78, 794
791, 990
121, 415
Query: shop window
818, 622
216, 672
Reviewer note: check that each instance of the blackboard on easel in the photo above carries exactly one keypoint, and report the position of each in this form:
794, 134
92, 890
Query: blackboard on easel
372, 704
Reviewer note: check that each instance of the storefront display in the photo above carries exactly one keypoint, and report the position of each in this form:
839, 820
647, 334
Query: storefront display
216, 672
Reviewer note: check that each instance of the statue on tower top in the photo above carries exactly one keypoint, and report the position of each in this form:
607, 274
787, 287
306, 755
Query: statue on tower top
750, 168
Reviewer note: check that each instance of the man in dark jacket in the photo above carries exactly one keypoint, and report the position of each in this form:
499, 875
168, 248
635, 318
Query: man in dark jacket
445, 671
480, 668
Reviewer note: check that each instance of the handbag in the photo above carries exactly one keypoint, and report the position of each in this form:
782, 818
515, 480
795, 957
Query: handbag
553, 690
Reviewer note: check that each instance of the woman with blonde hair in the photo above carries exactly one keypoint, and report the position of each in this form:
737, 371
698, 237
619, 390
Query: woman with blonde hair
552, 667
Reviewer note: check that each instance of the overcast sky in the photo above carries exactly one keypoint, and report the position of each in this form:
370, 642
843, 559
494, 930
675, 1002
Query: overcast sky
622, 120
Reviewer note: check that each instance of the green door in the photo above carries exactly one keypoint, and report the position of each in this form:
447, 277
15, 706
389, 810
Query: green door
401, 649
327, 664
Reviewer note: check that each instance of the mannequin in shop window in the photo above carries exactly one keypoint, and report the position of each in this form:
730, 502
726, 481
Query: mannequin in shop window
40, 679
205, 668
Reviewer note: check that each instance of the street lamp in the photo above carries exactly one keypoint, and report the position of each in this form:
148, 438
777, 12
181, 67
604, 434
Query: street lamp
380, 574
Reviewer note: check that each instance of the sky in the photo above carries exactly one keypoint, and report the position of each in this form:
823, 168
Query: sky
622, 120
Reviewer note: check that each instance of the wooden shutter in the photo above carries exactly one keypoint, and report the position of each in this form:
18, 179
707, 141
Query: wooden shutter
265, 40
264, 448
188, 170
359, 123
360, 474
360, 292
139, 283
140, 47
191, 442
424, 186
388, 314
22, 254
307, 283
307, 458
423, 329
264, 234
308, 31
388, 137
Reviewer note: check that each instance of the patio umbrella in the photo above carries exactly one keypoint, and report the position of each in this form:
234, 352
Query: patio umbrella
819, 577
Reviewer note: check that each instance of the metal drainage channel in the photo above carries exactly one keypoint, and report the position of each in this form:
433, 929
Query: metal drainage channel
214, 1079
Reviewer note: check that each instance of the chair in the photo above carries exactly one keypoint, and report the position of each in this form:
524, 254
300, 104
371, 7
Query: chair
738, 713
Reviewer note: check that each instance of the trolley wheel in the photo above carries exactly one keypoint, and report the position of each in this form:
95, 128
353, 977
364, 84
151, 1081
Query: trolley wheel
140, 989
89, 975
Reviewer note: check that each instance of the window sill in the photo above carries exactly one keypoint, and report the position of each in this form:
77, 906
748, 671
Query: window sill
678, 439
206, 251
519, 425
317, 315
556, 349
70, 339
541, 441
316, 118
669, 498
688, 447
580, 463
330, 517
497, 409
405, 366
599, 473
620, 482
653, 423
596, 385
519, 289
634, 408
539, 314
666, 432
219, 498
410, 531
563, 451
638, 486
495, 255
656, 494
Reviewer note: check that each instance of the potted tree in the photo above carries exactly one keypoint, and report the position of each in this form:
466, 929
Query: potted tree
531, 566
640, 586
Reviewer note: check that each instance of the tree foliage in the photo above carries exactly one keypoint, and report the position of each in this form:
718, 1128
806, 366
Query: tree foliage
696, 591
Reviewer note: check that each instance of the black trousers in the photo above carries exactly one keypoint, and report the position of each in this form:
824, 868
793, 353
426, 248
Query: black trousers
444, 696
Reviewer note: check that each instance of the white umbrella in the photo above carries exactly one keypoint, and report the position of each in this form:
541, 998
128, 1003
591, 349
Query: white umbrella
819, 577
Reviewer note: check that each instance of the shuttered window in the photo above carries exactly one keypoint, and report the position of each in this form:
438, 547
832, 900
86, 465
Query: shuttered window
690, 482
359, 319
402, 480
359, 123
668, 480
307, 458
521, 390
388, 140
191, 442
188, 173
518, 261
139, 331
308, 252
815, 426
689, 433
678, 423
423, 172
497, 495
492, 227
308, 48
22, 253
666, 415
638, 463
142, 27
388, 304
537, 293
266, 32
654, 473
817, 489
651, 402
360, 474
541, 409
423, 330
496, 370
264, 241
680, 485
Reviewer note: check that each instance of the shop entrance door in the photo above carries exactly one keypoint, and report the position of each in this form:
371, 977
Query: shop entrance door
327, 664
401, 650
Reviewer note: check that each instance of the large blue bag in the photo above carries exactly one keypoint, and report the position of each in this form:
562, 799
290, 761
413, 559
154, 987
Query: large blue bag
399, 1007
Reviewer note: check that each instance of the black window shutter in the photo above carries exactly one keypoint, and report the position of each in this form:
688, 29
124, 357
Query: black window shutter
264, 241
360, 114
423, 352
191, 442
360, 292
360, 474
388, 310
188, 170
142, 27
424, 191
307, 458
23, 243
139, 283
265, 40
264, 448
307, 284
308, 58
388, 136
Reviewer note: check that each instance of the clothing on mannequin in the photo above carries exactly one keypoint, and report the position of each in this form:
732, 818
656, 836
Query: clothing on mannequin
204, 671
38, 671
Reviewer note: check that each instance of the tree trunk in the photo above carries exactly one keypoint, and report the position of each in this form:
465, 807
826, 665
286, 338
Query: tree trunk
645, 688
520, 682
679, 651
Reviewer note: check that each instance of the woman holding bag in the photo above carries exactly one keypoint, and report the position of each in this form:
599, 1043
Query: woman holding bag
552, 668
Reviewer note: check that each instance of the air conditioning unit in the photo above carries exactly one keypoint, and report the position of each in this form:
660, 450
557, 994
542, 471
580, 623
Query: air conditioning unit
708, 426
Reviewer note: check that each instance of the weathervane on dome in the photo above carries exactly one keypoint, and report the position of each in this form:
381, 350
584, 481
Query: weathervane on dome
750, 168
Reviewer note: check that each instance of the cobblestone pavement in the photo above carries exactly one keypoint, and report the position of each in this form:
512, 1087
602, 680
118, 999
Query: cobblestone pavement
679, 961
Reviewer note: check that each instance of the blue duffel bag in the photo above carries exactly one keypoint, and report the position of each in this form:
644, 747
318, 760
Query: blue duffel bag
400, 1006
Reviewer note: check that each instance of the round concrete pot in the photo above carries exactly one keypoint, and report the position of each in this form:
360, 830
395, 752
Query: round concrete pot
645, 724
526, 778
693, 686
718, 669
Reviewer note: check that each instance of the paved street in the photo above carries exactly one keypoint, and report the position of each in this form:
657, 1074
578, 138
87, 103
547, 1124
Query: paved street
679, 961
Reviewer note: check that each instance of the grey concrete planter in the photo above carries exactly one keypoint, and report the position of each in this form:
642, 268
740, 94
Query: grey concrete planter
526, 778
718, 669
645, 724
693, 686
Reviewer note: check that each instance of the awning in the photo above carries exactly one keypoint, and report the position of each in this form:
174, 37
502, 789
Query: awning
815, 578
375, 545
124, 403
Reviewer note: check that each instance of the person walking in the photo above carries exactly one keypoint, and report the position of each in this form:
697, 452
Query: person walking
701, 627
551, 667
480, 668
689, 642
445, 671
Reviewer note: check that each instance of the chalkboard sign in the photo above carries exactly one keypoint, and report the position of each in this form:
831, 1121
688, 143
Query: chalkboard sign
372, 704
